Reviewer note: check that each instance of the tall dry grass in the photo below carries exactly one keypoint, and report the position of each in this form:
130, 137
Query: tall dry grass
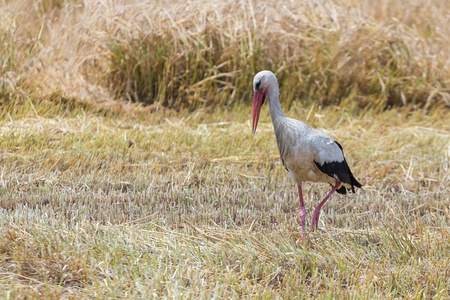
205, 53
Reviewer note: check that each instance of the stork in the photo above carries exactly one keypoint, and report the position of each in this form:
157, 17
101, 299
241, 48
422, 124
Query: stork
306, 153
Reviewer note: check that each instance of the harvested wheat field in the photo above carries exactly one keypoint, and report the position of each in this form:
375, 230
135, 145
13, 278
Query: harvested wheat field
129, 169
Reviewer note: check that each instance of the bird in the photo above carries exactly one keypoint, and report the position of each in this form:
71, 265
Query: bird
308, 155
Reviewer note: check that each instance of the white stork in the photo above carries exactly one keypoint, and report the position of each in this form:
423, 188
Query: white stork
306, 153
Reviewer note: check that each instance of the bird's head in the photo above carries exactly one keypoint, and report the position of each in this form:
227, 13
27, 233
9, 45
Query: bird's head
262, 82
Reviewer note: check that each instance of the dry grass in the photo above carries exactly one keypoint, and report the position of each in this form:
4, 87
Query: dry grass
101, 198
326, 52
205, 53
193, 207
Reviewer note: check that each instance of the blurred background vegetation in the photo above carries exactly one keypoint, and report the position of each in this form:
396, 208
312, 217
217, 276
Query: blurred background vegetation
205, 53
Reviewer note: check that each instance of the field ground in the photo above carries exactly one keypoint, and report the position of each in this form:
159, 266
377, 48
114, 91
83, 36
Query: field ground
102, 196
137, 204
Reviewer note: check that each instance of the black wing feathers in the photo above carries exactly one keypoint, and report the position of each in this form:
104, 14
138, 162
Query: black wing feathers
340, 171
342, 190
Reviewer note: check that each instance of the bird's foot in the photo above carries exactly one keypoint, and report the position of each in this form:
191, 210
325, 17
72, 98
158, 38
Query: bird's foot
315, 220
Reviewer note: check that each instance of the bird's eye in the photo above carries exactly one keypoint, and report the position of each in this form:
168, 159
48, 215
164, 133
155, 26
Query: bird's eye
258, 85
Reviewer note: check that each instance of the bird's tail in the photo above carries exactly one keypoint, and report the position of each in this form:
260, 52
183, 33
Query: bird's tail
353, 182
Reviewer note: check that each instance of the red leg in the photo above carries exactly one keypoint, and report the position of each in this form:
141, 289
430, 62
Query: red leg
302, 211
315, 219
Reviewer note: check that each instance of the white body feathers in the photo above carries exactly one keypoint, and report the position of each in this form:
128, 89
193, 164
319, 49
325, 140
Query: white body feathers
308, 154
301, 146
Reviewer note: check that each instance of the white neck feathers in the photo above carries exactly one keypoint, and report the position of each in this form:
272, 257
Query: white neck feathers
273, 95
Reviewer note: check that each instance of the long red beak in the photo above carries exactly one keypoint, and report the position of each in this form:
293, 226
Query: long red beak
258, 100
